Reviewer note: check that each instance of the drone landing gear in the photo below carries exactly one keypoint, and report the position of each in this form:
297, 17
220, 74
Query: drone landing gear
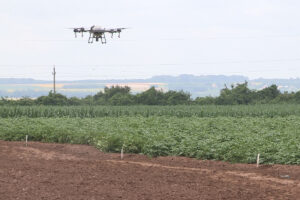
97, 37
103, 39
91, 39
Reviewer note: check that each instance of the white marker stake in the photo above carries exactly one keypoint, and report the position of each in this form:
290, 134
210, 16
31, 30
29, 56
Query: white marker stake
122, 153
257, 161
26, 139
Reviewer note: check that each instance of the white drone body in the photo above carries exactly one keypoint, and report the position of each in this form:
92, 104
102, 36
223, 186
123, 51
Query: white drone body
97, 32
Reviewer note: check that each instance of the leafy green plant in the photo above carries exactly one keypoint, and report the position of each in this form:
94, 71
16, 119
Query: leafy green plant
234, 139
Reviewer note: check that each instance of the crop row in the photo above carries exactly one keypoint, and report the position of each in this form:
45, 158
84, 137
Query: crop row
147, 111
232, 139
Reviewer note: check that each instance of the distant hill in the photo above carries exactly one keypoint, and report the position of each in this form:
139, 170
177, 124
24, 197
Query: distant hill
196, 85
20, 81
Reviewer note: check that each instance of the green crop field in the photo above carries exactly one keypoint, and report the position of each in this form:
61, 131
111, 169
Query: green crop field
146, 111
229, 133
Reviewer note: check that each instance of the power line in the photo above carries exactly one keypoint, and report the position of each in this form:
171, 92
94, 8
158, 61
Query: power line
158, 64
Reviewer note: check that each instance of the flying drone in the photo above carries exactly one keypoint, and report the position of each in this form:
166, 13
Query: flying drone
97, 32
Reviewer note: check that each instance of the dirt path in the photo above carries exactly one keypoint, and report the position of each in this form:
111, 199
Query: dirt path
57, 171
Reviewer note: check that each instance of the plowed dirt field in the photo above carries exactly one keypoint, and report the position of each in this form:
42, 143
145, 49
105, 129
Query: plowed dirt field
63, 171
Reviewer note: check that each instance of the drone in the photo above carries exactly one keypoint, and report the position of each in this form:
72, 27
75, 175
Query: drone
97, 32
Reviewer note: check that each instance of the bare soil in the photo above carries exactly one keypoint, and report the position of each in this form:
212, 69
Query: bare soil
64, 171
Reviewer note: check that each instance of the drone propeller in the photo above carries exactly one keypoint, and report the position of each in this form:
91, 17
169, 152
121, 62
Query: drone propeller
79, 30
116, 30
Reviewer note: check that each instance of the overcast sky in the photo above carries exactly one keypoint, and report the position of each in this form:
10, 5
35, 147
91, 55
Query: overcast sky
255, 38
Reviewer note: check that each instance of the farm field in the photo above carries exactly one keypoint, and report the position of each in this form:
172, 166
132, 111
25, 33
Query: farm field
64, 171
228, 133
280, 110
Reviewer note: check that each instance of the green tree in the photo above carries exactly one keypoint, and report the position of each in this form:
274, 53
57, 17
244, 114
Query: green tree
297, 97
151, 97
121, 99
239, 94
110, 96
25, 101
267, 94
74, 101
176, 98
52, 99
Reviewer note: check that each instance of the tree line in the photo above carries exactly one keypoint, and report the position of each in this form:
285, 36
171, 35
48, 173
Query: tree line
116, 95
241, 94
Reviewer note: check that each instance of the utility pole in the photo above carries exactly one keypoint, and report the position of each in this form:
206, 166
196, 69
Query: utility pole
54, 73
